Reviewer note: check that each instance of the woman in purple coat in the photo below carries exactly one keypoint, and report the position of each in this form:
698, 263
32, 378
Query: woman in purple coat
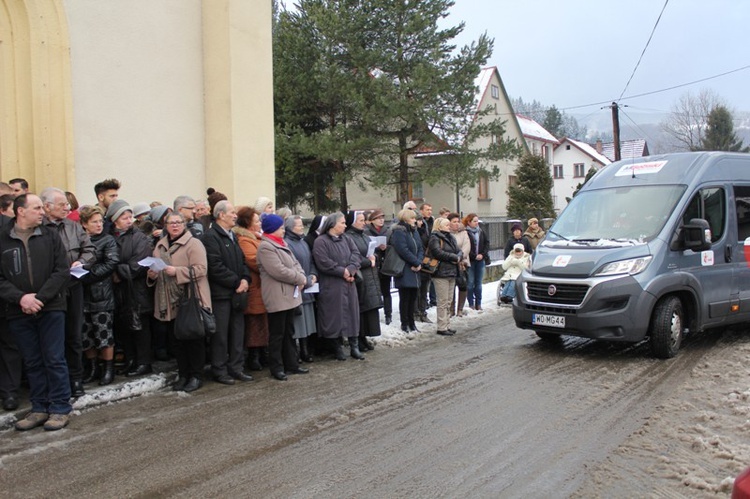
337, 260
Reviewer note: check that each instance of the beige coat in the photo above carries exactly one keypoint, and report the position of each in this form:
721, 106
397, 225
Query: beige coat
534, 237
464, 244
281, 275
186, 252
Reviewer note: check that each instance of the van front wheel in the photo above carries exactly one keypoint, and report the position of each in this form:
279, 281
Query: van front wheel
666, 327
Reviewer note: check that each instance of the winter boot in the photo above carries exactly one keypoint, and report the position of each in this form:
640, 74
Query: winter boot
304, 352
253, 359
354, 348
109, 373
461, 302
388, 319
91, 370
339, 348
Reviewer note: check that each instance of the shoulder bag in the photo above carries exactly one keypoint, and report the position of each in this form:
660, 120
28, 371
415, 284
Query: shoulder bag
193, 321
393, 264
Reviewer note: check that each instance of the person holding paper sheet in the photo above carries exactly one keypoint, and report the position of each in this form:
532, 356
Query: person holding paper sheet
376, 228
304, 323
368, 288
282, 281
182, 252
79, 251
133, 300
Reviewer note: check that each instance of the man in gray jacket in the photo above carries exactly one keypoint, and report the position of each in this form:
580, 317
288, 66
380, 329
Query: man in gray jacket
80, 251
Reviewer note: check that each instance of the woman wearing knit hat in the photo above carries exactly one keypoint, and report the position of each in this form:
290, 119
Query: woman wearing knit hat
282, 281
133, 299
263, 206
534, 233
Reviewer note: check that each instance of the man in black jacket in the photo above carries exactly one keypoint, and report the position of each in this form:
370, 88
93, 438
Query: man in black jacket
80, 251
34, 271
229, 279
10, 357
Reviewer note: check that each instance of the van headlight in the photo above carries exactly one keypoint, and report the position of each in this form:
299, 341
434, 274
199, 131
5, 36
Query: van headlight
632, 267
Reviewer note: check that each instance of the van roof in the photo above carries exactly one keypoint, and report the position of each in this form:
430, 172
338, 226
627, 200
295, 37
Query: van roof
676, 168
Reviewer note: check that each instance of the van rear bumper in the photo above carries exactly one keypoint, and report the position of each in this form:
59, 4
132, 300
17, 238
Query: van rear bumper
613, 309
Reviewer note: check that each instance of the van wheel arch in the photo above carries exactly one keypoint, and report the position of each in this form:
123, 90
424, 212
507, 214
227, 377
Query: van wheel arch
668, 324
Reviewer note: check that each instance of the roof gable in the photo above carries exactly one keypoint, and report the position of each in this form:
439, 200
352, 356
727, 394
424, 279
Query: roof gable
586, 149
533, 130
634, 148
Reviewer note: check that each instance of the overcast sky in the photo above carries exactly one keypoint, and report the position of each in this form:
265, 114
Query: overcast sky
575, 52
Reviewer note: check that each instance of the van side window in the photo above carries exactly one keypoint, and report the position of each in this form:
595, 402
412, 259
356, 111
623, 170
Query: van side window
742, 205
710, 205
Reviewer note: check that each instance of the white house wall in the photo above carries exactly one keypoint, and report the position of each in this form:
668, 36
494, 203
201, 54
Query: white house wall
564, 187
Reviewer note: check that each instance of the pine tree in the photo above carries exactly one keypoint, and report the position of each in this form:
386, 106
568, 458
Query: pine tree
532, 196
719, 134
553, 122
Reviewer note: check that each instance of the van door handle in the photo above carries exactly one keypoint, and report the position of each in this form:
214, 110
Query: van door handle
728, 254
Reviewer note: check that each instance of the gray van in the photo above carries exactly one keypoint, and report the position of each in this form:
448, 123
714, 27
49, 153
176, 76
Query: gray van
650, 247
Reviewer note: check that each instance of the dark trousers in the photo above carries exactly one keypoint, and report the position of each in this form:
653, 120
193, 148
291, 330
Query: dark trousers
41, 340
385, 288
74, 331
282, 351
190, 354
227, 348
137, 343
407, 306
10, 362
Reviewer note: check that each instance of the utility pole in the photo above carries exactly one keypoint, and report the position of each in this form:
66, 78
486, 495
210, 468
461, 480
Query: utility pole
616, 129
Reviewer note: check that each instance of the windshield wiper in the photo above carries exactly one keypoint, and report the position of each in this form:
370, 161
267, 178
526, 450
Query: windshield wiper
558, 235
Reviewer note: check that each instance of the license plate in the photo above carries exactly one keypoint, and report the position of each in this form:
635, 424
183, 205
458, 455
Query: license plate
548, 320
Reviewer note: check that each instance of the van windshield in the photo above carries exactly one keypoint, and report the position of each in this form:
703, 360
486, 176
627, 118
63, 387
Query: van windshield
617, 216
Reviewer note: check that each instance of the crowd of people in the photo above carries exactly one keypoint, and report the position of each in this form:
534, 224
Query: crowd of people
90, 293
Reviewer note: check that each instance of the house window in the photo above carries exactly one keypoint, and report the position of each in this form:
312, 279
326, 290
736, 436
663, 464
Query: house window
415, 190
512, 181
557, 171
567, 147
545, 153
484, 187
534, 148
495, 91
578, 170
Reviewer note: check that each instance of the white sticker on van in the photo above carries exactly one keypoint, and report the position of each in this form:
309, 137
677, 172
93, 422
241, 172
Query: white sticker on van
640, 168
707, 258
561, 261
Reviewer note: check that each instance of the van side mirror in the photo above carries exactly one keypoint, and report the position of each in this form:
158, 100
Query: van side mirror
696, 235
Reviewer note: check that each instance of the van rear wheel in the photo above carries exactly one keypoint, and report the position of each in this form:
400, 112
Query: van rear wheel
667, 327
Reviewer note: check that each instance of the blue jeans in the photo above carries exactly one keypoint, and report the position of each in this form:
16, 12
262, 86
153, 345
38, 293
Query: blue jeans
41, 340
474, 287
509, 289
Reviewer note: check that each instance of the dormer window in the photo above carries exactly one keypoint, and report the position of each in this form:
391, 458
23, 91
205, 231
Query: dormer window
495, 91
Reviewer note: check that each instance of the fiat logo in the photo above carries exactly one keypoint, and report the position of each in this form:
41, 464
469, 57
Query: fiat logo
551, 290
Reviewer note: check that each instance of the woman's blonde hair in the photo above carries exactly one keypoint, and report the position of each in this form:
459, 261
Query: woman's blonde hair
406, 214
438, 222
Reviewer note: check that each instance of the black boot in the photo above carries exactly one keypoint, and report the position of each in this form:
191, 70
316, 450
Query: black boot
91, 370
413, 328
253, 359
109, 373
364, 345
388, 319
304, 353
339, 349
354, 348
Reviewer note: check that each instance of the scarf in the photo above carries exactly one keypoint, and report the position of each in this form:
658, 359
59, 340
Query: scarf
276, 239
167, 290
474, 233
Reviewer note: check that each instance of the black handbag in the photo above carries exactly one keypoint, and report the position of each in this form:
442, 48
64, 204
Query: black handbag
462, 279
393, 264
134, 314
193, 321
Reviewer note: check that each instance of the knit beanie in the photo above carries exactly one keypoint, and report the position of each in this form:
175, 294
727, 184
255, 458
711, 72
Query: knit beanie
117, 208
271, 223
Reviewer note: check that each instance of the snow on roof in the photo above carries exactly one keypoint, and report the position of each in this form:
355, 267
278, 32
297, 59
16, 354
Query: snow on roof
533, 130
590, 151
483, 81
635, 148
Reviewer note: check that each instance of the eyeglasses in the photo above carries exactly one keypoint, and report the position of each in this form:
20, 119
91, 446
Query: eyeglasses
175, 223
191, 208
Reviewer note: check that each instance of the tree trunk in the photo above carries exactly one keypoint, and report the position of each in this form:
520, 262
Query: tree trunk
342, 199
403, 171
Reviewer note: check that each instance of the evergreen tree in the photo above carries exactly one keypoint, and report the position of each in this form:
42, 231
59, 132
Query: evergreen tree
719, 134
589, 174
532, 196
553, 122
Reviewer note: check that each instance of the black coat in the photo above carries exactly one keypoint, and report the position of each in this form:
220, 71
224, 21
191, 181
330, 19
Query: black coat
50, 269
512, 241
368, 289
444, 247
483, 248
98, 288
132, 291
408, 245
226, 263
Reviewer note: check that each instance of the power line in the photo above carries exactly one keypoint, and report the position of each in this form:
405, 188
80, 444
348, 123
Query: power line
644, 49
636, 125
609, 101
